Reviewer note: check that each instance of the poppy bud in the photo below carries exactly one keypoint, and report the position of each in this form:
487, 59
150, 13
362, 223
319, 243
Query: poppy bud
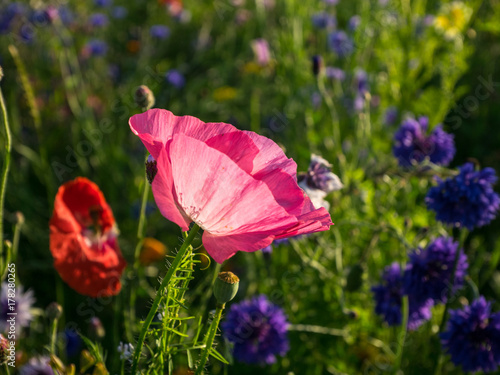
144, 97
226, 286
53, 311
317, 64
151, 169
19, 218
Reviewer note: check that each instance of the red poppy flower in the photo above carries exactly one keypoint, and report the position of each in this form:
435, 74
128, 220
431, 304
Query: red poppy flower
83, 240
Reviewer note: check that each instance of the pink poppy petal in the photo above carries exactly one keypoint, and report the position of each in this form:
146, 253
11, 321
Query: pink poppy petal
162, 187
270, 157
285, 190
218, 195
156, 127
238, 146
221, 248
310, 222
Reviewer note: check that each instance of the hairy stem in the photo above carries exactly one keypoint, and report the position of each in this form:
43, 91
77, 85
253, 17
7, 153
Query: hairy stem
210, 338
156, 302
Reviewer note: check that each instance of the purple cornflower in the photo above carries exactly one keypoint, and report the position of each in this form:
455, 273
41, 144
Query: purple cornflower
354, 22
319, 175
22, 307
361, 81
323, 20
472, 337
175, 78
159, 31
37, 366
261, 50
389, 298
95, 47
334, 73
466, 200
268, 249
258, 329
65, 15
318, 181
391, 115
412, 144
98, 20
331, 2
103, 3
119, 12
428, 274
341, 43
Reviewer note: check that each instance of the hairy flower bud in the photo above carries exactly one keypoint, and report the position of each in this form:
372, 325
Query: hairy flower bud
96, 329
144, 97
317, 64
226, 286
151, 169
1, 72
53, 311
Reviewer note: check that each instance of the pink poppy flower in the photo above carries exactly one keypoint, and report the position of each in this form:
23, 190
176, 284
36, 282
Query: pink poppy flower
238, 186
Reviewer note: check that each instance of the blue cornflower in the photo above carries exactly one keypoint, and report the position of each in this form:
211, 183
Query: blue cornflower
268, 249
98, 20
391, 115
159, 31
323, 20
22, 307
412, 144
96, 47
467, 200
389, 298
119, 12
175, 78
472, 337
103, 3
428, 274
354, 22
361, 81
73, 342
341, 43
334, 73
258, 329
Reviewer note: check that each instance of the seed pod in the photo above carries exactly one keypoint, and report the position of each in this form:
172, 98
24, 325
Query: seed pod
225, 287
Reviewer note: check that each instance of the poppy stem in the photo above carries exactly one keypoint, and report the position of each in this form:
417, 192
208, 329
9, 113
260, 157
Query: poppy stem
152, 312
210, 338
6, 164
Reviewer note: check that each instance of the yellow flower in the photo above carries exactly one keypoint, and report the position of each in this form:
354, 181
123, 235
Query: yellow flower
453, 19
152, 251
225, 93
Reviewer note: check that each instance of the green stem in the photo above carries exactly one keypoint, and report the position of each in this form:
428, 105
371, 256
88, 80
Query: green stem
7, 371
402, 336
210, 338
156, 302
6, 164
53, 336
137, 252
